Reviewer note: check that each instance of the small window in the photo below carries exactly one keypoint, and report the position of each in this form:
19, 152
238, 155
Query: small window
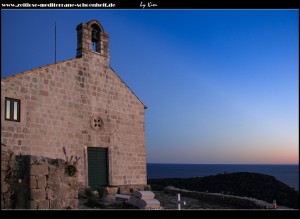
12, 109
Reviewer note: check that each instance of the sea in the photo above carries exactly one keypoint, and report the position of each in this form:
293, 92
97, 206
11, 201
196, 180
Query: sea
288, 174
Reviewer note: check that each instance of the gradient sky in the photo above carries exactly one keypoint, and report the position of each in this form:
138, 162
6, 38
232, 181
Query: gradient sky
222, 86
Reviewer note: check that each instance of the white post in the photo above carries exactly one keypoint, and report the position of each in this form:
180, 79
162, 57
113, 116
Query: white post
178, 201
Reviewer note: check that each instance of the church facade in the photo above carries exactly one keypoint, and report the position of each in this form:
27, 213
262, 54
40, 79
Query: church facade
81, 105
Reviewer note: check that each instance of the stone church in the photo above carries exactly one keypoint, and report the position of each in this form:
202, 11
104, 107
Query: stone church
80, 104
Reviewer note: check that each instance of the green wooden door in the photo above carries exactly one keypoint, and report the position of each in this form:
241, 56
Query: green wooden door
97, 167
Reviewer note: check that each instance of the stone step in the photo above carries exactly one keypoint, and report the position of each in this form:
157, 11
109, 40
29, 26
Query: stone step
144, 204
145, 195
120, 197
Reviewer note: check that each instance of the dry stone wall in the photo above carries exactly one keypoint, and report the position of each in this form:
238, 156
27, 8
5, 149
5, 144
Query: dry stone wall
240, 202
34, 182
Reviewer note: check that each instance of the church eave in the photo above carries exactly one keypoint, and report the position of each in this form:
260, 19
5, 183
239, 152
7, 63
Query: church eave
145, 107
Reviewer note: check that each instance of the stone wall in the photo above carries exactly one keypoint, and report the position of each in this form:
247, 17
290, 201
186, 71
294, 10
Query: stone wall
34, 182
8, 164
240, 202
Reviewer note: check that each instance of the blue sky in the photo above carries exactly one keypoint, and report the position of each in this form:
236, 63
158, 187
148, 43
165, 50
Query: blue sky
222, 86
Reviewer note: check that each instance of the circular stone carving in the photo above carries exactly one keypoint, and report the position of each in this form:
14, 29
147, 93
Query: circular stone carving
96, 122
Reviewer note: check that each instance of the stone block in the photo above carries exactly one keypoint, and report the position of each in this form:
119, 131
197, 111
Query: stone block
56, 171
43, 204
3, 175
4, 156
43, 93
60, 194
68, 194
75, 194
49, 194
4, 187
4, 165
112, 190
41, 182
148, 204
73, 203
72, 194
102, 190
12, 164
120, 197
55, 204
54, 185
52, 170
39, 170
144, 195
33, 205
133, 200
33, 183
38, 194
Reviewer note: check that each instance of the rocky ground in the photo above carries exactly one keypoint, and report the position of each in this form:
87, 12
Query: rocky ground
166, 201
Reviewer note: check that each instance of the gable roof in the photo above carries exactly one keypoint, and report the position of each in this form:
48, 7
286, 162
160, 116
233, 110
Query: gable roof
128, 87
41, 67
34, 69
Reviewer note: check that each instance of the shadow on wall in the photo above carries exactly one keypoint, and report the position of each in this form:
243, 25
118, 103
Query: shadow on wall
33, 182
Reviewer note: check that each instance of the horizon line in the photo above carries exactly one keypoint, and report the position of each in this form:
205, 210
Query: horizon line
225, 163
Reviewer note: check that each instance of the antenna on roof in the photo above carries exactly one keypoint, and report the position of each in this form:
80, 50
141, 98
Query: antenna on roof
55, 43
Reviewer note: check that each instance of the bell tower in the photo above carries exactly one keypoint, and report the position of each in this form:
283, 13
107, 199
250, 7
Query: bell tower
92, 37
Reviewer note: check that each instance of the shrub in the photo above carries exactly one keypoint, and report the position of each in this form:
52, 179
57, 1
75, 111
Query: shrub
147, 188
71, 167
